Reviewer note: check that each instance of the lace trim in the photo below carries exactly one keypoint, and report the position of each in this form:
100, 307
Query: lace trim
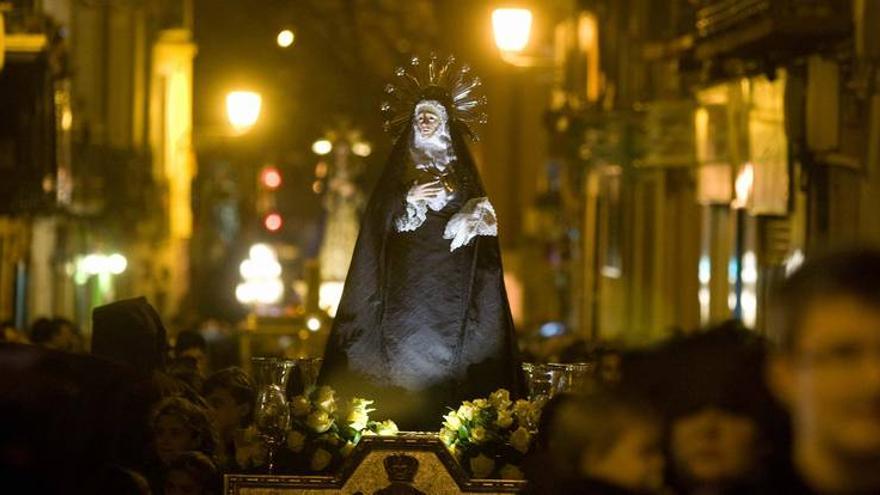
414, 217
417, 210
476, 217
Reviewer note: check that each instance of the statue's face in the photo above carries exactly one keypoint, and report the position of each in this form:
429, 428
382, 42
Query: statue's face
427, 122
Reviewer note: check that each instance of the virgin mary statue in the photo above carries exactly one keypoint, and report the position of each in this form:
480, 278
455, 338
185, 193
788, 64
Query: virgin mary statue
424, 320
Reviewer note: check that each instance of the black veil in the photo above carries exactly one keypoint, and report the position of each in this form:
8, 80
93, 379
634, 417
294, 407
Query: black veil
357, 354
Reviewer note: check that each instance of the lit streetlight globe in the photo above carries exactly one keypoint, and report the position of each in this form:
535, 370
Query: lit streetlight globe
243, 109
285, 38
511, 28
322, 147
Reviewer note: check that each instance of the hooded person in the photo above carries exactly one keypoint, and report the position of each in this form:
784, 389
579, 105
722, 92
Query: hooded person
424, 321
130, 332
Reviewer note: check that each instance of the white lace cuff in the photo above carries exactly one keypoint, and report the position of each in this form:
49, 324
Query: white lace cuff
476, 217
414, 216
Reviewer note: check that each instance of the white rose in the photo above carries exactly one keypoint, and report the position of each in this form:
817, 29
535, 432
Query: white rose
452, 421
466, 411
387, 428
296, 441
520, 439
319, 421
300, 406
478, 434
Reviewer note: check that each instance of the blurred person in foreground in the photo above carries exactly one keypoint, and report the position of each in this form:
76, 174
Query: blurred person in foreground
192, 473
59, 334
724, 431
827, 373
604, 443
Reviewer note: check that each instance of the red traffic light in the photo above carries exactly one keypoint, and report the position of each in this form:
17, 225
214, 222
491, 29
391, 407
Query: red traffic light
270, 177
273, 222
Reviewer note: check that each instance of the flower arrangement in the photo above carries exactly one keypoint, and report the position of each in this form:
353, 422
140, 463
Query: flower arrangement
490, 437
324, 430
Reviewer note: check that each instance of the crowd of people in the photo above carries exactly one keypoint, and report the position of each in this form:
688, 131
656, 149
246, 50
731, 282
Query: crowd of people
717, 411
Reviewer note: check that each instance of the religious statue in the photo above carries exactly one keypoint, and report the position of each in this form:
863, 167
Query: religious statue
424, 320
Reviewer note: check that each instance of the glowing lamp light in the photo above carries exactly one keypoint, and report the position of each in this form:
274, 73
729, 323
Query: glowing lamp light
285, 38
261, 274
362, 149
98, 264
273, 222
512, 28
270, 177
743, 185
322, 147
313, 323
243, 109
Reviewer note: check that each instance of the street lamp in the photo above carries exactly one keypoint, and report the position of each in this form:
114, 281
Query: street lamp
243, 109
285, 38
512, 28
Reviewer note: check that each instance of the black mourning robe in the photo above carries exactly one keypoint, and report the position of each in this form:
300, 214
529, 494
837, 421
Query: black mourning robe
420, 328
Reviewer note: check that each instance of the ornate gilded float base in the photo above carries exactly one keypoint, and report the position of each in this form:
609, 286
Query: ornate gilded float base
410, 463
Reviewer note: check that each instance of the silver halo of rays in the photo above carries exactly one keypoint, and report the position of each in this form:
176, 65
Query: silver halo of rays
456, 81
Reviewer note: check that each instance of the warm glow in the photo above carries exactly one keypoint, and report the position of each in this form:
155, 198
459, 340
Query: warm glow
322, 147
100, 264
743, 186
285, 38
512, 28
261, 273
273, 222
362, 149
329, 295
313, 323
243, 109
270, 177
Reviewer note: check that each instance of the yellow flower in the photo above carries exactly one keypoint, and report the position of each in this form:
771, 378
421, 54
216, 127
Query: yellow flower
448, 436
326, 399
296, 441
387, 428
320, 460
319, 421
466, 411
357, 419
500, 398
505, 419
511, 472
481, 404
452, 421
520, 439
478, 434
482, 466
300, 406
521, 411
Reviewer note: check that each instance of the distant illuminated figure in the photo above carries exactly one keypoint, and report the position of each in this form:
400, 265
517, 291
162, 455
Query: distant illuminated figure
424, 320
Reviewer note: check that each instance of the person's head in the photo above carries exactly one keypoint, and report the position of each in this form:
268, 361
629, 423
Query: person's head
610, 436
192, 344
720, 416
231, 394
56, 333
827, 368
178, 426
192, 473
131, 332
